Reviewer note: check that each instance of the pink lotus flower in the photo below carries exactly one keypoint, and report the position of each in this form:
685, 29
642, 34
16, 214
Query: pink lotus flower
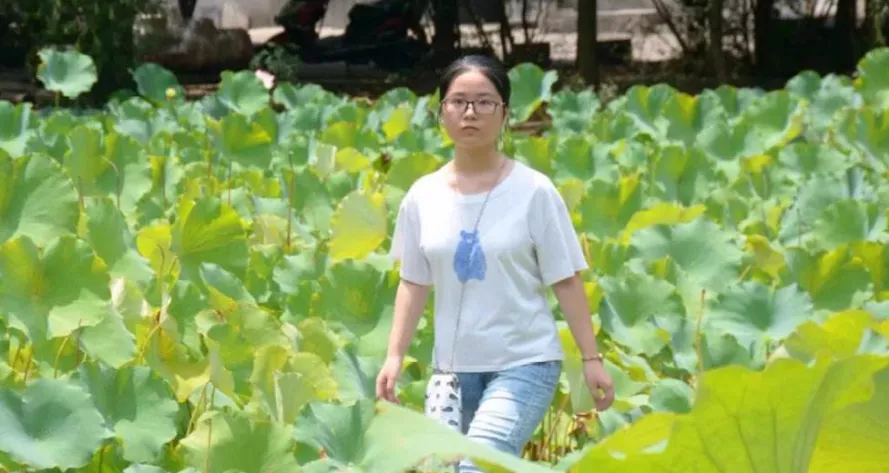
267, 78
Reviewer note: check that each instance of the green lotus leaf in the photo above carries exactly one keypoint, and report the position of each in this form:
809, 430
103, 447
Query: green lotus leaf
282, 394
70, 73
875, 257
807, 160
315, 373
684, 175
136, 404
854, 436
535, 151
233, 345
748, 421
355, 374
108, 165
775, 119
416, 438
865, 132
395, 97
645, 105
50, 135
842, 335
573, 157
850, 221
804, 85
158, 84
359, 225
420, 139
317, 338
636, 311
826, 97
672, 395
756, 315
53, 292
728, 142
572, 112
531, 88
704, 250
310, 199
138, 119
248, 141
37, 199
242, 92
110, 236
397, 122
51, 423
109, 341
209, 231
836, 279
355, 148
872, 82
733, 100
356, 294
16, 127
295, 97
688, 115
610, 126
813, 197
410, 167
608, 206
337, 430
140, 468
223, 441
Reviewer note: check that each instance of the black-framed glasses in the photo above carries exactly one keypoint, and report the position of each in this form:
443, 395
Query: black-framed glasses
481, 106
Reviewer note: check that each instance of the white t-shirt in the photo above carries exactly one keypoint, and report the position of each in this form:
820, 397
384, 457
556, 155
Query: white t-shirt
527, 242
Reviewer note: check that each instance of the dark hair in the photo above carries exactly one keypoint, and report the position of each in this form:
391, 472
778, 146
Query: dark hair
492, 68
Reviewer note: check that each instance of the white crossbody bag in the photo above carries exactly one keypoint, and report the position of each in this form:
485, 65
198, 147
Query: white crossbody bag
444, 396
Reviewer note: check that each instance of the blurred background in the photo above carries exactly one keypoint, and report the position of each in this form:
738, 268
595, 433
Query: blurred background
368, 47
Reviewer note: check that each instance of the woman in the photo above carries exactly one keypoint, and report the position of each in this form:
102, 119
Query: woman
490, 234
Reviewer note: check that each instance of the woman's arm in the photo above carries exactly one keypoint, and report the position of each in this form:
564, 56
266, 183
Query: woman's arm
573, 301
410, 300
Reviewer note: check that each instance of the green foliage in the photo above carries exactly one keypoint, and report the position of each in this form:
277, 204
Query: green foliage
100, 29
204, 286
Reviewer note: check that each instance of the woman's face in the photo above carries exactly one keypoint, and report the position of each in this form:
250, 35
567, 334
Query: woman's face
473, 111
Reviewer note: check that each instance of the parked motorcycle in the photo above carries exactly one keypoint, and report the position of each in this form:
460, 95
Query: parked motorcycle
377, 32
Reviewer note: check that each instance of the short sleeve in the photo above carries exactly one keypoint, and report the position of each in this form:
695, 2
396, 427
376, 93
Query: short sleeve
406, 244
559, 253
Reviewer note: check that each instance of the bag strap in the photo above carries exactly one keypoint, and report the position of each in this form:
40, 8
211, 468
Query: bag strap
463, 285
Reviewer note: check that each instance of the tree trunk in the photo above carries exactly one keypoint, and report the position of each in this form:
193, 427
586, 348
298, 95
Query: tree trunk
717, 56
445, 19
762, 16
587, 32
186, 9
846, 26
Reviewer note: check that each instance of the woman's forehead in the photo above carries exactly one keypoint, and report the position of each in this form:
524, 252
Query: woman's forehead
472, 82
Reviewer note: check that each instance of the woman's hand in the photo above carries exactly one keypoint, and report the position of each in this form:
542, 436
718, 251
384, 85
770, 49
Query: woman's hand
598, 378
387, 378
572, 297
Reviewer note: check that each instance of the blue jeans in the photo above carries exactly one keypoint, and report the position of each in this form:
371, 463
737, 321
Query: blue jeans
502, 409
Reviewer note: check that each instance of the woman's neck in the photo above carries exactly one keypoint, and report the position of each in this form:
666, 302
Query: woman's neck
477, 160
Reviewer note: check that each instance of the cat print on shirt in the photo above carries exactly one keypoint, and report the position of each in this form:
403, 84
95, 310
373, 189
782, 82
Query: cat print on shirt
469, 259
